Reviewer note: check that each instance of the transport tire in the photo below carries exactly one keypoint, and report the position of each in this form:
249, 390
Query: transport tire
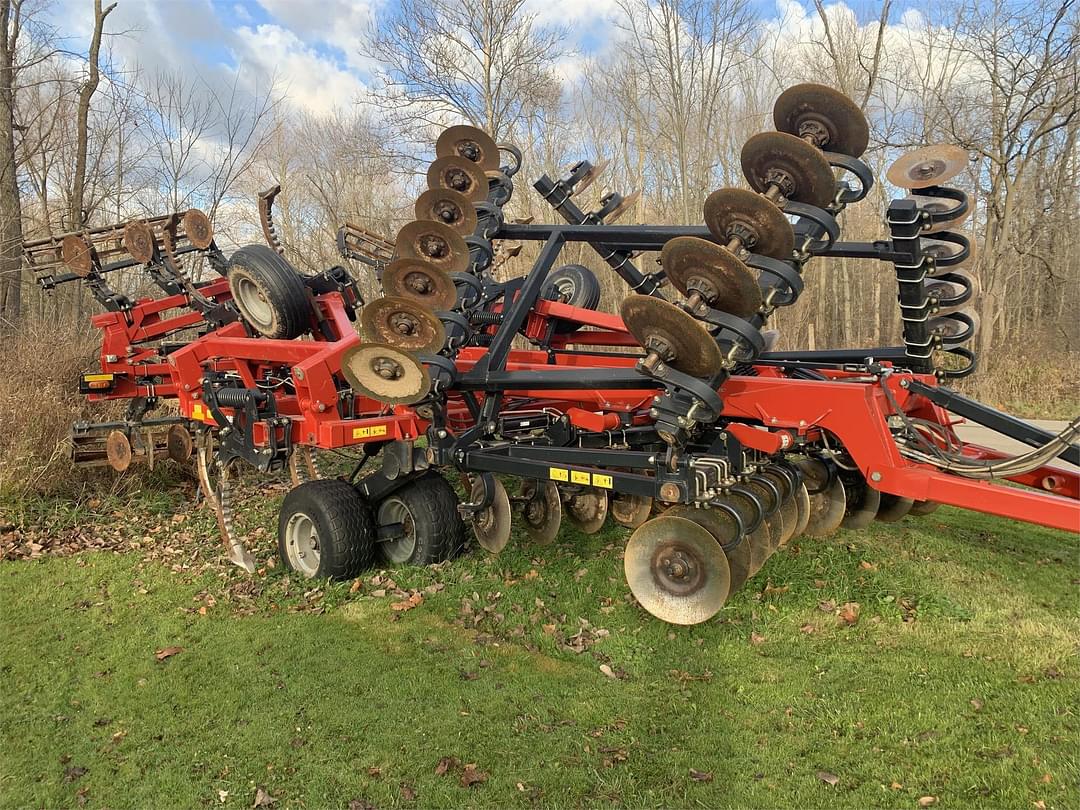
269, 292
433, 530
326, 531
575, 285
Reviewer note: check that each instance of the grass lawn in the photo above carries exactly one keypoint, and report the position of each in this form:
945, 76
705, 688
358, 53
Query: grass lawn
957, 685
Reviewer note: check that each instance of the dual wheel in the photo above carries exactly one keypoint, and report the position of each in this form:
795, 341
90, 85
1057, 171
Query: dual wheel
328, 530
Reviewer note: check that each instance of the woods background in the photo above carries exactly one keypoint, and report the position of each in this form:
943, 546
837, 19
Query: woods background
89, 136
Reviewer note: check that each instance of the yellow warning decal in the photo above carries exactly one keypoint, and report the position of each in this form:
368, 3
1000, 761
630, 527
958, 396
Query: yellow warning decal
602, 481
369, 432
578, 477
558, 474
197, 411
98, 377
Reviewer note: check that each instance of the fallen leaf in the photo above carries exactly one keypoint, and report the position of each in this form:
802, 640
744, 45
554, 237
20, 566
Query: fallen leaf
263, 799
80, 796
757, 639
976, 704
374, 772
167, 652
867, 566
75, 772
472, 776
927, 801
446, 764
361, 804
849, 612
808, 629
1040, 805
408, 792
357, 585
222, 795
700, 776
827, 606
608, 671
1046, 779
896, 786
415, 600
828, 778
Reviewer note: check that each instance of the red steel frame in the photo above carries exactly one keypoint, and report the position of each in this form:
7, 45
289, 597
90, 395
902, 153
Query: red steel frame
848, 408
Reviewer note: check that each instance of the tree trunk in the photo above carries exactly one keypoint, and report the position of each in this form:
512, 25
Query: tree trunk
10, 206
78, 214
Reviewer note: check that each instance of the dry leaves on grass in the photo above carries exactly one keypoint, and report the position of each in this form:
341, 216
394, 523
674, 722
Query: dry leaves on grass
828, 778
473, 776
701, 776
927, 801
263, 798
167, 652
849, 613
447, 764
415, 599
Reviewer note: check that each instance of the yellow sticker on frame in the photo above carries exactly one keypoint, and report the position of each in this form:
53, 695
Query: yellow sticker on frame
558, 474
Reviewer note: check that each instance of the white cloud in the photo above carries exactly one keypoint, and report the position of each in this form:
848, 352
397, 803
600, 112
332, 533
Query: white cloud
343, 24
312, 82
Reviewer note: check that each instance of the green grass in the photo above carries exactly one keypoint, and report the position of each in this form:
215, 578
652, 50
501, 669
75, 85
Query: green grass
959, 680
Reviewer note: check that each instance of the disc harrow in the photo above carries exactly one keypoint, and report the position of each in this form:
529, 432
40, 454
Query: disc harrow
677, 418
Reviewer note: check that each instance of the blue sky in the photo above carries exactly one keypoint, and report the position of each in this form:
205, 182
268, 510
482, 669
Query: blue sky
312, 49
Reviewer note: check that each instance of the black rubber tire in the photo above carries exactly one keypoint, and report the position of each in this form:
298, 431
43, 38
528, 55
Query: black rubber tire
344, 524
578, 284
282, 287
437, 525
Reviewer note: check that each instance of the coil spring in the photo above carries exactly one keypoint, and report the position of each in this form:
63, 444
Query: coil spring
485, 318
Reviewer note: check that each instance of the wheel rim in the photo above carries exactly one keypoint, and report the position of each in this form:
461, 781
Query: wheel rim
399, 549
302, 544
253, 301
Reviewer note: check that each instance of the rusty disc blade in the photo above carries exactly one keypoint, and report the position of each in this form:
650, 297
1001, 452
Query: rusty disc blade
828, 502
433, 242
798, 169
460, 175
952, 330
616, 213
385, 373
179, 443
893, 508
923, 508
118, 450
725, 531
677, 571
198, 228
681, 340
862, 503
402, 322
630, 511
78, 254
775, 520
833, 120
759, 539
762, 227
469, 143
448, 207
945, 289
588, 510
420, 281
139, 241
929, 166
789, 510
938, 206
802, 503
696, 265
542, 512
492, 524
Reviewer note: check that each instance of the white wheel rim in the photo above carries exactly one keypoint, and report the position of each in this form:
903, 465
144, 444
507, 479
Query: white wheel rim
398, 549
253, 301
302, 544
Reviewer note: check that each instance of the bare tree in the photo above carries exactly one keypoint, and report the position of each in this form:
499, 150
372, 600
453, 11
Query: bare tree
488, 62
79, 214
10, 203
